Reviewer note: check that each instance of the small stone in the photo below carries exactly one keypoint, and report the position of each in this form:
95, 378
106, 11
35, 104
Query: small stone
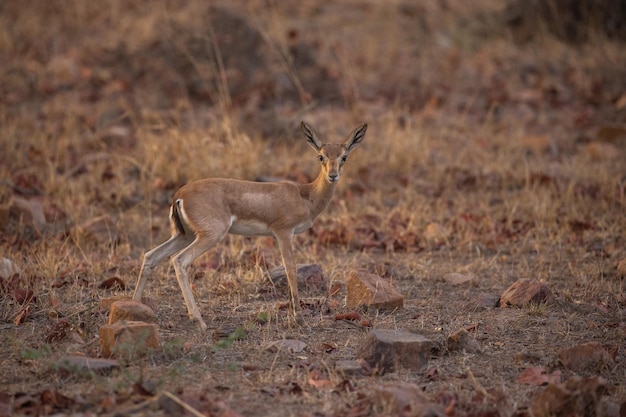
310, 276
86, 365
404, 398
350, 367
105, 303
128, 338
8, 268
460, 340
388, 350
486, 301
575, 397
524, 292
368, 290
130, 310
435, 233
590, 356
454, 278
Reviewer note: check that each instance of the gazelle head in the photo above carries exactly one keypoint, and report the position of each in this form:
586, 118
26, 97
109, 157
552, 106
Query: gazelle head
333, 156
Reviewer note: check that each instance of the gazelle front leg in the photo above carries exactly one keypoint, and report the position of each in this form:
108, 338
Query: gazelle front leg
285, 245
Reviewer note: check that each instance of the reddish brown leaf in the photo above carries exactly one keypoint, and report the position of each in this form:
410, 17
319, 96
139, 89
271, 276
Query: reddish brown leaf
432, 374
112, 283
348, 316
22, 295
22, 315
58, 332
334, 290
317, 380
539, 376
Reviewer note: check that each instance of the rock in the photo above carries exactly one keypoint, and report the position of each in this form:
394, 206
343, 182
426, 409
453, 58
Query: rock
404, 398
309, 275
83, 365
105, 303
486, 301
130, 310
388, 350
30, 212
461, 340
435, 234
128, 338
454, 278
524, 292
352, 367
590, 356
368, 290
8, 268
576, 397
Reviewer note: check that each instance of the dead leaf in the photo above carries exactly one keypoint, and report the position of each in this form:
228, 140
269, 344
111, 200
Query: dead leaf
432, 374
334, 290
317, 380
114, 283
59, 331
22, 295
22, 315
539, 376
348, 316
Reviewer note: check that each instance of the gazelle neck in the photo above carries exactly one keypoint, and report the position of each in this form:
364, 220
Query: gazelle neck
320, 192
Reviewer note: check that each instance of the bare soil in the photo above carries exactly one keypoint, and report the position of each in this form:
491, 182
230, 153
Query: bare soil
514, 150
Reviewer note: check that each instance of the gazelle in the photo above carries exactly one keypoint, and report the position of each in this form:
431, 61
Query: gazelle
204, 211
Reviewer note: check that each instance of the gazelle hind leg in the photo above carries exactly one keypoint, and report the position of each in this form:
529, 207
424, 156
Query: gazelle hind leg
152, 258
182, 261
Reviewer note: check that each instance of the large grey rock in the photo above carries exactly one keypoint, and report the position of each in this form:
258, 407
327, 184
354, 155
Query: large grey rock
389, 350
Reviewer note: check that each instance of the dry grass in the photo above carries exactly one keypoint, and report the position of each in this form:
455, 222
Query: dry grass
452, 106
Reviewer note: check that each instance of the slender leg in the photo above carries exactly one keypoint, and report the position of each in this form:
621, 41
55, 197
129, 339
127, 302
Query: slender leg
286, 251
182, 261
152, 258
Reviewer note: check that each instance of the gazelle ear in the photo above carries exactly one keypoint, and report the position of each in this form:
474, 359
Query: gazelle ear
311, 136
355, 137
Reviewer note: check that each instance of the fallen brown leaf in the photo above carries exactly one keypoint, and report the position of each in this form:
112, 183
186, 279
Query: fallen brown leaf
539, 376
348, 316
112, 283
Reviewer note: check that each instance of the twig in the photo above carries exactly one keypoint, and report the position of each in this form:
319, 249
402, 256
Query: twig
182, 404
477, 385
142, 405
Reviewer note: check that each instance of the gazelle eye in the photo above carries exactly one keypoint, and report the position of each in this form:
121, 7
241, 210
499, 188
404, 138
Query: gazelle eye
321, 158
344, 158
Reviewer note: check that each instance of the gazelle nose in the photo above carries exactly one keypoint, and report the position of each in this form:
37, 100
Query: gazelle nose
332, 177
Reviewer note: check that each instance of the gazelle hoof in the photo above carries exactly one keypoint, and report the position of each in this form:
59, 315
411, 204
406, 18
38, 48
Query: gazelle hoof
201, 324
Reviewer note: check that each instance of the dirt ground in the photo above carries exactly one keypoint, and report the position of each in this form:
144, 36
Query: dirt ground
488, 154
